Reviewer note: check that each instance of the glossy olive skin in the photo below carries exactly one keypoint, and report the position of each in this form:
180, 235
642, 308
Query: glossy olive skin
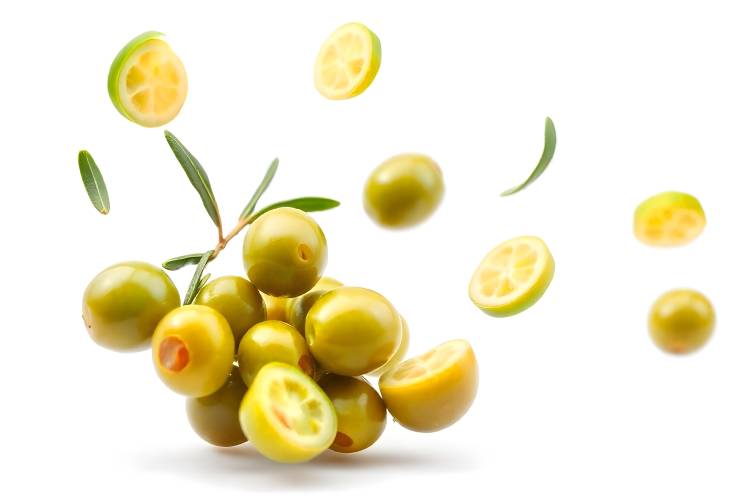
298, 308
399, 355
681, 321
284, 252
403, 191
123, 304
215, 417
352, 331
360, 412
192, 350
272, 341
237, 299
275, 307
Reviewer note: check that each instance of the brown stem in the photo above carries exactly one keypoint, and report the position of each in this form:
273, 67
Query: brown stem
223, 241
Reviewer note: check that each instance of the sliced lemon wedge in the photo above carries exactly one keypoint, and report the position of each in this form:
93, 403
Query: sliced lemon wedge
434, 390
286, 415
669, 219
512, 277
347, 62
147, 81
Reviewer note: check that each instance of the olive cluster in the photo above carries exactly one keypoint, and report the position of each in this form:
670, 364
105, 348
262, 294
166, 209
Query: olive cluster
215, 350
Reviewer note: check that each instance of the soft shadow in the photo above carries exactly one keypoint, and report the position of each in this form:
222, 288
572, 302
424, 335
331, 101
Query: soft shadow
243, 467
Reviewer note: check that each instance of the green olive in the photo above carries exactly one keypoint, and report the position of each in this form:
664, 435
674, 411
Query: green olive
275, 307
353, 331
272, 341
284, 252
237, 299
360, 412
215, 417
399, 355
403, 191
681, 321
192, 350
123, 304
298, 308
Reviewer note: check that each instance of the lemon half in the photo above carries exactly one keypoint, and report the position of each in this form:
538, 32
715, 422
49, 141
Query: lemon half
347, 62
147, 82
512, 277
669, 219
286, 416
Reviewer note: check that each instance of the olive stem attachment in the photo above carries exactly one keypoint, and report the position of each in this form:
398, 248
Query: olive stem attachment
223, 241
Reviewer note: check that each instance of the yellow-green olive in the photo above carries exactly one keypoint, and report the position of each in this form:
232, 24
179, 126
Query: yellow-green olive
275, 307
399, 355
192, 350
298, 308
681, 321
123, 304
215, 417
360, 412
284, 252
272, 341
237, 299
353, 331
403, 191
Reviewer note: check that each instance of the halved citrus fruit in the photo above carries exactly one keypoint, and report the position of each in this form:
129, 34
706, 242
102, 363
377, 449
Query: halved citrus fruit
669, 219
147, 82
347, 62
286, 416
434, 390
512, 277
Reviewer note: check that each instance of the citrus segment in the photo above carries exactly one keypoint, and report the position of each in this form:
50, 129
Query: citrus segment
512, 277
669, 219
347, 62
286, 416
147, 82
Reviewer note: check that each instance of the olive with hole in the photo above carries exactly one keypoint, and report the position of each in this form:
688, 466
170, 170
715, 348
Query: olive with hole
353, 331
681, 321
192, 349
284, 252
215, 417
123, 304
360, 412
298, 308
272, 341
237, 300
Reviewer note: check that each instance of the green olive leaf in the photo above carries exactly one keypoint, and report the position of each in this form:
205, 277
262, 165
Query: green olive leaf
268, 177
93, 182
179, 262
194, 286
202, 282
197, 176
547, 155
304, 204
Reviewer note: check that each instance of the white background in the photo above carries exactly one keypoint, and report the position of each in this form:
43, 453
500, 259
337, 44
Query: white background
574, 401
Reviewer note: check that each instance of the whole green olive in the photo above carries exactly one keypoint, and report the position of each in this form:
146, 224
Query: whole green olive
284, 252
192, 349
298, 308
215, 417
123, 304
353, 331
403, 191
360, 412
275, 307
681, 321
272, 341
237, 299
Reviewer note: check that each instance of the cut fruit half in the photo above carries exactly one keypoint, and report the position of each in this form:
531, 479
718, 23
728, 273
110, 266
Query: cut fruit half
512, 277
147, 82
286, 416
347, 62
669, 219
434, 390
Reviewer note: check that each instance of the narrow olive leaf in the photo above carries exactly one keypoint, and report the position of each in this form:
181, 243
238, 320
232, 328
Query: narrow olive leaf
182, 261
197, 176
195, 281
270, 172
547, 156
202, 282
304, 204
93, 182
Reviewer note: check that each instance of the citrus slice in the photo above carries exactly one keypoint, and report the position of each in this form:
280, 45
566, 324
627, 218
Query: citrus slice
434, 390
512, 277
286, 416
347, 62
147, 81
669, 219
